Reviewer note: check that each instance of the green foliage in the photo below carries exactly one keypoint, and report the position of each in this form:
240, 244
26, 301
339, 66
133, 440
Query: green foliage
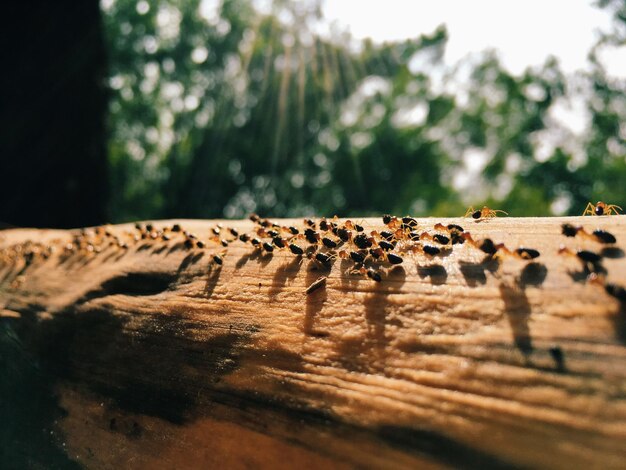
219, 110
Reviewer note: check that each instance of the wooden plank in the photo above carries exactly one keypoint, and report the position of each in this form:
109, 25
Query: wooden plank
157, 356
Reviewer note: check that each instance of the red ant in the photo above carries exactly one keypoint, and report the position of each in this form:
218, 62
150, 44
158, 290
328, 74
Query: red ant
601, 208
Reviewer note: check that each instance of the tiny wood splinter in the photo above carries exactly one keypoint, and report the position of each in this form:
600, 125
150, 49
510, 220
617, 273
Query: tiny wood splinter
317, 284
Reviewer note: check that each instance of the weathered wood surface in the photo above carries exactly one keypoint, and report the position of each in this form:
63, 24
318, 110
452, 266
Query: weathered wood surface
156, 357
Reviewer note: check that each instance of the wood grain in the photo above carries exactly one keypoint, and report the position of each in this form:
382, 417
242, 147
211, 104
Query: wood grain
157, 357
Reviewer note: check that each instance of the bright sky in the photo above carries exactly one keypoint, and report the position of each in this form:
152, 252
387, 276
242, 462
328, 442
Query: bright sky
524, 32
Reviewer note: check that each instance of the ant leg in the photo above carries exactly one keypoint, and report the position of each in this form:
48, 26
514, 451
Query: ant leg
589, 209
469, 211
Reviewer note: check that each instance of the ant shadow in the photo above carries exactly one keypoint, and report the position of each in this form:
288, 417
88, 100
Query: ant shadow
517, 310
212, 279
396, 276
115, 255
264, 258
475, 274
583, 275
188, 260
175, 247
285, 272
159, 249
356, 354
250, 256
436, 272
612, 252
619, 322
533, 274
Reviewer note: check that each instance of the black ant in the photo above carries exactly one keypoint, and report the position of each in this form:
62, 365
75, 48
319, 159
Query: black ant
329, 243
385, 245
431, 250
324, 258
357, 256
362, 241
279, 242
311, 236
394, 259
441, 239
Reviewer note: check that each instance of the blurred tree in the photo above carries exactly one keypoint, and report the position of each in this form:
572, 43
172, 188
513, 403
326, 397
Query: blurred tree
220, 109
52, 144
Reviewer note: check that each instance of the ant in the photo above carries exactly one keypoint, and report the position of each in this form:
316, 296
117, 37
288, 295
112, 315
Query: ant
601, 208
483, 213
601, 236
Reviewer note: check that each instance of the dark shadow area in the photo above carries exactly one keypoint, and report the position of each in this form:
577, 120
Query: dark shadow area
154, 369
533, 274
53, 141
29, 407
517, 310
442, 448
436, 272
135, 284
